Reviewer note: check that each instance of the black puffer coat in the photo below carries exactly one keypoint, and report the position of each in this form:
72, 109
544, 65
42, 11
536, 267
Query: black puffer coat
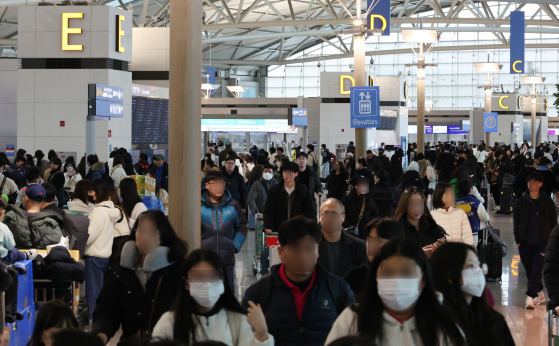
337, 184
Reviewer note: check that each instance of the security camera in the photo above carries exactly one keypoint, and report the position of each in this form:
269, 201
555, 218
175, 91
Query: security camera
318, 65
409, 73
372, 62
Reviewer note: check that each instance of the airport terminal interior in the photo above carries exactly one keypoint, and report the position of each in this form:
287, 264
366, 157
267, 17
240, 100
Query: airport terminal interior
279, 172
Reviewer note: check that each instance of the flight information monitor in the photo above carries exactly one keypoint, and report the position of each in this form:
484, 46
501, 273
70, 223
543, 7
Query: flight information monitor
150, 121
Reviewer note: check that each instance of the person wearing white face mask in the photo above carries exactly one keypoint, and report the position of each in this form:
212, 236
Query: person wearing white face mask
259, 190
399, 305
459, 276
144, 286
205, 310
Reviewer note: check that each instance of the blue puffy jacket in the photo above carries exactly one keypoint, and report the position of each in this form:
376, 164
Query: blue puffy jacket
224, 229
470, 204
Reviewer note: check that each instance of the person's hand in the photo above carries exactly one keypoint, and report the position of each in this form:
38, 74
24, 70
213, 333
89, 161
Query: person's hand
267, 231
257, 321
428, 250
103, 337
347, 181
435, 246
259, 214
518, 244
6, 336
497, 173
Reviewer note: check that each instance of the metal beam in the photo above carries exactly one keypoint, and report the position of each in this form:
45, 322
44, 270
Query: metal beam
160, 12
375, 53
143, 13
239, 12
435, 6
229, 19
333, 45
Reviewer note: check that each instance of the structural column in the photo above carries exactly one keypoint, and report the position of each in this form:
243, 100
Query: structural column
533, 118
184, 119
420, 110
487, 110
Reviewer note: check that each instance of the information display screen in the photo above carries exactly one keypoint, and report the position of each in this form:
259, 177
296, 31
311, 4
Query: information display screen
455, 130
150, 121
439, 129
465, 125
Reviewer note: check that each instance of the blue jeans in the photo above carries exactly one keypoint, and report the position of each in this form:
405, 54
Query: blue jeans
14, 255
95, 268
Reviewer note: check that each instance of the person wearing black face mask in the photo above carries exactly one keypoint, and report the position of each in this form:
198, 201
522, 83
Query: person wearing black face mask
360, 208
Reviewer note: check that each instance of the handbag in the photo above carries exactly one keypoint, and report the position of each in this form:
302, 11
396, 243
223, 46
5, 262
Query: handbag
495, 238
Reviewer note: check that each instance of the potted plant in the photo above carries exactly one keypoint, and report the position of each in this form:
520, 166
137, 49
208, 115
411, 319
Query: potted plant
556, 95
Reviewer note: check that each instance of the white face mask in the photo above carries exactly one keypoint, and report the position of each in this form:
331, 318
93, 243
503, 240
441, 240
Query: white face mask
267, 176
207, 293
474, 283
398, 294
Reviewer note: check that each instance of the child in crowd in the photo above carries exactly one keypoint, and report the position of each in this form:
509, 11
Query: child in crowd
8, 252
472, 206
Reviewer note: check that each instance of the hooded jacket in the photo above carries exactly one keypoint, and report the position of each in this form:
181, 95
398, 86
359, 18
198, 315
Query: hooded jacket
117, 172
258, 194
44, 228
235, 184
125, 302
17, 175
386, 199
455, 222
102, 222
337, 184
224, 229
78, 205
96, 171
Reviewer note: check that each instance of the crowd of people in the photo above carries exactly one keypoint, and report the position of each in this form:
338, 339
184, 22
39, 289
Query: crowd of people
389, 256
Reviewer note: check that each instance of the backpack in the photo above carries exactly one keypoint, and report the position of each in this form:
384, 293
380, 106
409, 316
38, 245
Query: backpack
332, 159
80, 225
265, 293
430, 173
314, 162
152, 203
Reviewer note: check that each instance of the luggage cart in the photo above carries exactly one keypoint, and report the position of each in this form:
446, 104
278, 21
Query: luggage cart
259, 242
269, 244
553, 339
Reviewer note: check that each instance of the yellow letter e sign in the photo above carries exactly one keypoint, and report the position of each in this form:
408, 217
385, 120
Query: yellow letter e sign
66, 31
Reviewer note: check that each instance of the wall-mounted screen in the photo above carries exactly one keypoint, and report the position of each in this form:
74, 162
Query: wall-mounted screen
465, 125
439, 129
455, 130
428, 129
412, 129
150, 121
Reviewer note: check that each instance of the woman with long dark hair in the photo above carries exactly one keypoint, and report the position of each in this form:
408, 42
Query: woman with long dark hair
132, 204
337, 181
52, 317
71, 176
395, 170
80, 201
206, 308
459, 276
399, 305
142, 288
412, 212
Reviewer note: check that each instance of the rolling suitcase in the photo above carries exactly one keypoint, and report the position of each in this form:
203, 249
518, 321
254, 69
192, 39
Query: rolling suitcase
507, 200
492, 255
259, 242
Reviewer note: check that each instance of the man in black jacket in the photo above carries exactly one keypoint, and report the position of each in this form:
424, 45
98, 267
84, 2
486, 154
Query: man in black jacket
234, 182
17, 174
533, 219
57, 179
373, 163
308, 177
228, 151
445, 164
162, 170
338, 252
287, 200
518, 161
385, 197
299, 298
520, 180
383, 159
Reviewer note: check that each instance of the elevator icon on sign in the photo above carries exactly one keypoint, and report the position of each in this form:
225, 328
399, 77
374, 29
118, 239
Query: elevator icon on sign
365, 105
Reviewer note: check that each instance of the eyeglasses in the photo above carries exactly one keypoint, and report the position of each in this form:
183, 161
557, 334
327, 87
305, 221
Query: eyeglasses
330, 213
476, 267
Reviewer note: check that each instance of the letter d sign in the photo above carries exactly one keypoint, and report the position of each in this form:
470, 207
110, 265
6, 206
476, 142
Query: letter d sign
379, 18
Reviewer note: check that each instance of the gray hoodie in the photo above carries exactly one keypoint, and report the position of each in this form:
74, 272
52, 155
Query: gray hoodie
258, 193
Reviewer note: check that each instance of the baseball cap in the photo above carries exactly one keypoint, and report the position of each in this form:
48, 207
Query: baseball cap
39, 153
159, 157
36, 193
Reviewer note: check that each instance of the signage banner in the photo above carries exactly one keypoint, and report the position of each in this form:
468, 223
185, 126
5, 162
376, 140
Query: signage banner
455, 130
106, 101
365, 106
517, 31
490, 123
10, 150
210, 71
439, 129
246, 125
428, 129
379, 18
299, 116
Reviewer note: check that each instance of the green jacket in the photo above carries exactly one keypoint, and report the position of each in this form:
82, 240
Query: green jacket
43, 225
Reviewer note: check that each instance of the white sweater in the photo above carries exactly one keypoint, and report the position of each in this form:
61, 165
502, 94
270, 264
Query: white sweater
395, 333
101, 228
117, 173
231, 328
78, 205
139, 208
164, 197
455, 222
71, 180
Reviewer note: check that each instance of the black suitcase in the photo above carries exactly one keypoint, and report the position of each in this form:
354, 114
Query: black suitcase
492, 255
507, 200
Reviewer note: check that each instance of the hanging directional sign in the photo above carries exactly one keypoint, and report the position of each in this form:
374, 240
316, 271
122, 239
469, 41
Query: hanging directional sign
517, 33
379, 17
490, 123
365, 106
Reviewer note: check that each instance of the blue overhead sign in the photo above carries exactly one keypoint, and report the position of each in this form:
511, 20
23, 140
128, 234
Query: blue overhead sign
379, 17
490, 123
210, 71
105, 101
299, 116
517, 33
365, 106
